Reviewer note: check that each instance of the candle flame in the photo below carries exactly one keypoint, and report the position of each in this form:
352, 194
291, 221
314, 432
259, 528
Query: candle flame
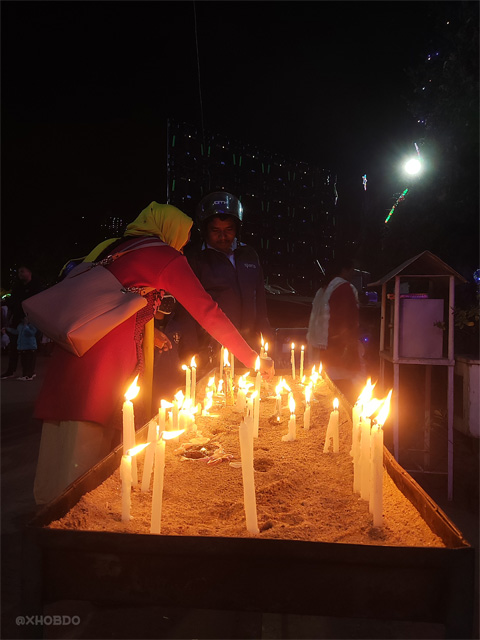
367, 392
134, 450
220, 386
291, 403
293, 346
266, 348
303, 379
193, 363
257, 364
320, 368
308, 394
254, 395
285, 385
261, 339
371, 407
211, 381
180, 398
242, 382
185, 367
303, 348
164, 404
335, 403
384, 410
226, 363
169, 435
279, 387
132, 390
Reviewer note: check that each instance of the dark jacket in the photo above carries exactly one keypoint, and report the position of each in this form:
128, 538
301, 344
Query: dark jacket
238, 291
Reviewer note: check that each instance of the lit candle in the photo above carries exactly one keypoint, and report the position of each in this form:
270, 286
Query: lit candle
306, 415
262, 346
292, 360
178, 401
332, 430
292, 423
376, 477
207, 402
249, 498
357, 412
366, 447
149, 453
193, 390
256, 404
265, 355
188, 383
158, 476
242, 392
227, 377
126, 478
222, 356
250, 413
302, 356
278, 399
314, 377
129, 426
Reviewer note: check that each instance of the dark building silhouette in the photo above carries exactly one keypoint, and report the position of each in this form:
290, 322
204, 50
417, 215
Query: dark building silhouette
289, 206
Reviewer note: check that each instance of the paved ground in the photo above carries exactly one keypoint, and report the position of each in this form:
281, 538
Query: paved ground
20, 436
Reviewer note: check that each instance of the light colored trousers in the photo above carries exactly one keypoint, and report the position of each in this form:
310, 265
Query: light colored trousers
67, 450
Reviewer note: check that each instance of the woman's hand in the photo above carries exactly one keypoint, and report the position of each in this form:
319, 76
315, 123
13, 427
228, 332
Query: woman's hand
161, 341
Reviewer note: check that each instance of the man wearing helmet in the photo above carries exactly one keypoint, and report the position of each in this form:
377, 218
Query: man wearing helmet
230, 272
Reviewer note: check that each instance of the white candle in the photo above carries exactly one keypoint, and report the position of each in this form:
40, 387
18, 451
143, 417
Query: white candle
241, 396
332, 430
292, 423
158, 477
376, 478
278, 399
193, 389
222, 356
129, 425
256, 404
357, 474
302, 356
188, 382
126, 478
149, 453
306, 415
356, 412
249, 498
365, 459
292, 360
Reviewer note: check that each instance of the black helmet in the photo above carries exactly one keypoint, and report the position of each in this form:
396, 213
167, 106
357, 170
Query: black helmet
219, 203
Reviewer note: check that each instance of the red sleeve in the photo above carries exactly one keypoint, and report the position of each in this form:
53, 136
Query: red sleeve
179, 279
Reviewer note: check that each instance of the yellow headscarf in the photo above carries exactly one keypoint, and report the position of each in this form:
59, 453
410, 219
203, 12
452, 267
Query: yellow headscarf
165, 221
162, 220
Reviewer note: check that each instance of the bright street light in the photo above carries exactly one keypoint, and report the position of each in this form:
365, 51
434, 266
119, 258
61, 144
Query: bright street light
413, 166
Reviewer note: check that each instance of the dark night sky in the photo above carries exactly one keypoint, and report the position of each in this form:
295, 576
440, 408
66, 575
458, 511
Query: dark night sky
87, 88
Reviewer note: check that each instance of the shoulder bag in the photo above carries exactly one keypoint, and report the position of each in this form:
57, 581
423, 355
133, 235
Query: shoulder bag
87, 304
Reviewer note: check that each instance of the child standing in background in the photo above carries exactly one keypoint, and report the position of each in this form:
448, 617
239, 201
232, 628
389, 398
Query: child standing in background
26, 347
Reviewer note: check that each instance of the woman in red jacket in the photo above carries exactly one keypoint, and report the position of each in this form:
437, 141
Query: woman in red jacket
81, 397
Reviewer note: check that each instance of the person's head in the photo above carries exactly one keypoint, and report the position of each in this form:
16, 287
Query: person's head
164, 221
342, 267
24, 274
219, 217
